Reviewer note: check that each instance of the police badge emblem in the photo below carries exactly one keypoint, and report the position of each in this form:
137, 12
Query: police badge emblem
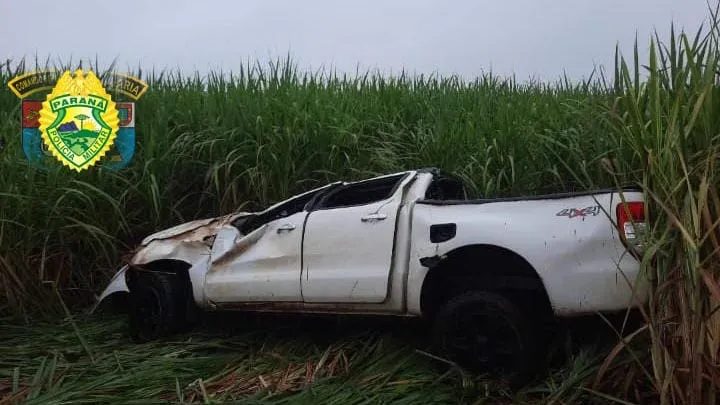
78, 124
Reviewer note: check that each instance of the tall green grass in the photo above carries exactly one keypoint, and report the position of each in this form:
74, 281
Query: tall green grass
210, 145
669, 127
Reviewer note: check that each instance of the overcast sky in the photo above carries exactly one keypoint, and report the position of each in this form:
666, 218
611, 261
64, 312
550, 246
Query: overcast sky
538, 38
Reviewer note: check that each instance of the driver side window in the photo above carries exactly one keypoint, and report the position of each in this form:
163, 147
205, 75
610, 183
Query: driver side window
362, 193
293, 206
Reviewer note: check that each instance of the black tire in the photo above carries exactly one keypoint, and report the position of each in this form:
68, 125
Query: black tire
485, 332
158, 306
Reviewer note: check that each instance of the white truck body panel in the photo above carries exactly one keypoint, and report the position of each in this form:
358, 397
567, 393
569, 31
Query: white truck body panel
331, 260
580, 259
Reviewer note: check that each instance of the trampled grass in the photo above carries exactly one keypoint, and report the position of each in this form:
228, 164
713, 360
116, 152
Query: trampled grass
249, 360
224, 142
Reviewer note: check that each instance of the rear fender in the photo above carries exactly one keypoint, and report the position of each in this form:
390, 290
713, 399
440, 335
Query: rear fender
572, 243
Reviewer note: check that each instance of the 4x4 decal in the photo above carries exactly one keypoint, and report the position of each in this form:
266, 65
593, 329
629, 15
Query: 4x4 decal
593, 210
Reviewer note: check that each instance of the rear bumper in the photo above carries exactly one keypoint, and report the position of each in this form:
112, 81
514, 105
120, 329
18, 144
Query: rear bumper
117, 285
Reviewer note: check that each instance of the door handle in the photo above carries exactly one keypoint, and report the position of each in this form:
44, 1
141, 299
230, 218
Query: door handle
375, 217
286, 227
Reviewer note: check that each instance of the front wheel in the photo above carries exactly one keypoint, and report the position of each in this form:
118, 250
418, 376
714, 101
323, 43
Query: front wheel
157, 306
486, 332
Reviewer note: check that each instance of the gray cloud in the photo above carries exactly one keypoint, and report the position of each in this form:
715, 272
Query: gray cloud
540, 38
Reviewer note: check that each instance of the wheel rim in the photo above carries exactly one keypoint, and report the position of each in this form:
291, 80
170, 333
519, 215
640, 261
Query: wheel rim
484, 339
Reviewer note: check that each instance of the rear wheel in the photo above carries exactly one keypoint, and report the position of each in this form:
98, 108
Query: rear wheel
158, 306
486, 332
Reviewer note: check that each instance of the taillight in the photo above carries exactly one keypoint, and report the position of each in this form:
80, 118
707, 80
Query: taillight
632, 224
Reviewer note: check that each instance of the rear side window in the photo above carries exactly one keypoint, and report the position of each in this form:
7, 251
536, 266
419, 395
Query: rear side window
446, 188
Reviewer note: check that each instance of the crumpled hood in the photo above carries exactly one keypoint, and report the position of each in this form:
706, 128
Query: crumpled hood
194, 230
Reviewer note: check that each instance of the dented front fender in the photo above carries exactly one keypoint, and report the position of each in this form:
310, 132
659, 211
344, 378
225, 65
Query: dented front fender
171, 249
190, 242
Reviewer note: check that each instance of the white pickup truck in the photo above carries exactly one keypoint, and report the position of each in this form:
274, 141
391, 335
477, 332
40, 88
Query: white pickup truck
487, 273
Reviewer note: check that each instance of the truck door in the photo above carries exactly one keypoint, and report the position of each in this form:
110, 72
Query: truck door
349, 241
259, 258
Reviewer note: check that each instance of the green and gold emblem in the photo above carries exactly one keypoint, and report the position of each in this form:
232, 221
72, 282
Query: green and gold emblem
78, 120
